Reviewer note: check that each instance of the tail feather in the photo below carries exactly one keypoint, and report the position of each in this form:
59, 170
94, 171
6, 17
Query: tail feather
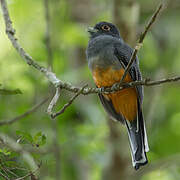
138, 141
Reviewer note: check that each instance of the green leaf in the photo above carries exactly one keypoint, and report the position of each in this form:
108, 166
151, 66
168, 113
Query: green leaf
26, 136
10, 92
39, 139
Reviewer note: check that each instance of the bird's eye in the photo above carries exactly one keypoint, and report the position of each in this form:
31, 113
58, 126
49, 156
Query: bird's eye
105, 28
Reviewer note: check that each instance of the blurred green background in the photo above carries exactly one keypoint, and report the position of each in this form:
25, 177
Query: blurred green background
84, 144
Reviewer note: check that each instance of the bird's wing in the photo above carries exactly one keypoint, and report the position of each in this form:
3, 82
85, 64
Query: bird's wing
108, 106
123, 54
136, 128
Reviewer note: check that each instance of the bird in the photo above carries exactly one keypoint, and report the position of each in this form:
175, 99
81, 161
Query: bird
108, 56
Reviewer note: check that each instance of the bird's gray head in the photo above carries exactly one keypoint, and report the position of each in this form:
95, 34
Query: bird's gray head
104, 28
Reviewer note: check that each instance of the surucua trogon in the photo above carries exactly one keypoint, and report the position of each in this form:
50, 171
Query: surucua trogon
108, 56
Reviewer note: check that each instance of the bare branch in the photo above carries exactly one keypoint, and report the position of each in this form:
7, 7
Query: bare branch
119, 86
33, 109
53, 101
69, 103
139, 44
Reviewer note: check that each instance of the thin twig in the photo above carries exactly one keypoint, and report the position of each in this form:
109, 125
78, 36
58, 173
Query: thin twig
146, 82
139, 44
69, 103
53, 101
33, 109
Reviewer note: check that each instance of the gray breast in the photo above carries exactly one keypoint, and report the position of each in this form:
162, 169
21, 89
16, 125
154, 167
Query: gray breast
100, 52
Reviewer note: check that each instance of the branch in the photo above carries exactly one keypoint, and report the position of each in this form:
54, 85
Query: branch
33, 109
146, 82
53, 101
69, 103
139, 44
119, 86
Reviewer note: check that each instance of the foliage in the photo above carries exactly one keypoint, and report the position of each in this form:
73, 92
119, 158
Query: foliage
26, 138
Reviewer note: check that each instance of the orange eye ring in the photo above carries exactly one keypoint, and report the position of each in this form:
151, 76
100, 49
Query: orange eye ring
105, 28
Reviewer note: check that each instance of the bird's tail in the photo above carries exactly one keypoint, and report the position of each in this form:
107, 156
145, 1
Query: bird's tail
138, 140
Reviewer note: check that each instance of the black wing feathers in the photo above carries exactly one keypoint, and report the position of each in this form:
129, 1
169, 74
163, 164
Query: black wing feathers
108, 106
123, 54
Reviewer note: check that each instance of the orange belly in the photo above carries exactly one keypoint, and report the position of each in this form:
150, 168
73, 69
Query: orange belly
124, 101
